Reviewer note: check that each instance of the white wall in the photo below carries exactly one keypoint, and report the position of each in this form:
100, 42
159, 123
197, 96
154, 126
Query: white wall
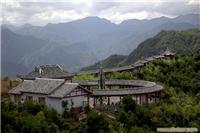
55, 102
35, 96
78, 101
50, 102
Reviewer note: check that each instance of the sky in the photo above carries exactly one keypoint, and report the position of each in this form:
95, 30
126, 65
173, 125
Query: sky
42, 12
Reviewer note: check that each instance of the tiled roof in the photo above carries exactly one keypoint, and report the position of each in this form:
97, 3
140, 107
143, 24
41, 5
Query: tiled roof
141, 61
44, 86
57, 88
136, 87
140, 83
39, 85
168, 52
21, 87
64, 90
47, 71
119, 68
158, 56
150, 59
134, 83
108, 70
137, 64
86, 82
128, 91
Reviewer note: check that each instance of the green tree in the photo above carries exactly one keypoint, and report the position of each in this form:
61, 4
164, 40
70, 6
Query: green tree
96, 122
129, 104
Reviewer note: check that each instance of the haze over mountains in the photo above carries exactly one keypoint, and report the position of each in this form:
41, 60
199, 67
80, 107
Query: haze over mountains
180, 42
80, 43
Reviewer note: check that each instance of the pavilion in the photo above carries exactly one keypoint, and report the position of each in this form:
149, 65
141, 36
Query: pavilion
47, 71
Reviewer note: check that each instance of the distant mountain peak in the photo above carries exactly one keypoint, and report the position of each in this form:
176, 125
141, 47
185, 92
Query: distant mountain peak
85, 41
94, 19
26, 25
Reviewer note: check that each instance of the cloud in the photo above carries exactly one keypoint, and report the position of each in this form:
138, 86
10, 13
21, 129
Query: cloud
118, 17
58, 16
194, 2
46, 11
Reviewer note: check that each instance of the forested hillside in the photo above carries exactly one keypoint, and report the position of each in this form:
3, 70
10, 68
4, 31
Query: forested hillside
182, 72
109, 62
180, 42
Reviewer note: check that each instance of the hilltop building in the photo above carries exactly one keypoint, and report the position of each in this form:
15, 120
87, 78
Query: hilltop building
47, 71
168, 53
100, 94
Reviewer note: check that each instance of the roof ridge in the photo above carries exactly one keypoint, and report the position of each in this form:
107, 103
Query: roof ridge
70, 90
48, 65
49, 79
61, 68
56, 88
70, 83
28, 80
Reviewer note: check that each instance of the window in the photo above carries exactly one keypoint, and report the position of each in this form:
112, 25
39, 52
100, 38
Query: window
41, 99
16, 98
29, 98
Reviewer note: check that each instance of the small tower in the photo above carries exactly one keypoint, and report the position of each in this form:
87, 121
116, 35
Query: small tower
101, 79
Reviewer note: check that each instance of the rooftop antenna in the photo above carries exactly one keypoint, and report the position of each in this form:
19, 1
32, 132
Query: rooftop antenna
101, 78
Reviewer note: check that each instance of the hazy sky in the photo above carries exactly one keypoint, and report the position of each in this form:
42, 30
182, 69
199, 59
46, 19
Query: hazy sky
41, 12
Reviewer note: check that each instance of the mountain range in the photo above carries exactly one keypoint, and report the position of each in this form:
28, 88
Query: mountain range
79, 43
180, 42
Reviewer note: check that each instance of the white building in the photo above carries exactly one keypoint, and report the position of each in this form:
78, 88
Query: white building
52, 92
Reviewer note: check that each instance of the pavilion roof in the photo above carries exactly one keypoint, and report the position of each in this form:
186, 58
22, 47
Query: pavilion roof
123, 68
47, 71
139, 63
158, 56
64, 90
25, 84
128, 91
134, 83
168, 52
59, 88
